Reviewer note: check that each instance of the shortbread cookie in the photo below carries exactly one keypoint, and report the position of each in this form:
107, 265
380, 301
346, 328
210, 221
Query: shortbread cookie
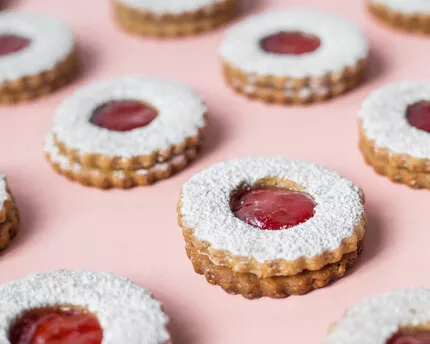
9, 217
105, 179
409, 15
80, 307
397, 317
37, 55
129, 123
170, 18
395, 132
294, 56
271, 226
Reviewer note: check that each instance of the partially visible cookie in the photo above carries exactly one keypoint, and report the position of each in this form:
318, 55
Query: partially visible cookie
9, 216
408, 15
37, 55
170, 18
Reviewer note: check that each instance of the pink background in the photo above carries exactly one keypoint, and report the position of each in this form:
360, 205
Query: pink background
134, 233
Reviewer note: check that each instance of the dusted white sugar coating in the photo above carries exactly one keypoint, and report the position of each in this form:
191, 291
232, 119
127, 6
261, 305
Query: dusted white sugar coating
343, 44
51, 42
384, 121
127, 313
69, 165
3, 190
406, 6
169, 6
205, 208
376, 319
181, 114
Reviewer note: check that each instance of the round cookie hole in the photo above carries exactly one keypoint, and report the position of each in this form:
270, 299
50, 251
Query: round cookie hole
290, 43
57, 324
11, 43
272, 204
123, 115
418, 115
411, 335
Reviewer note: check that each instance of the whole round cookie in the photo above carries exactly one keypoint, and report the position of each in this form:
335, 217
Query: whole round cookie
37, 55
394, 123
9, 216
410, 15
270, 226
129, 123
80, 307
294, 56
397, 317
169, 18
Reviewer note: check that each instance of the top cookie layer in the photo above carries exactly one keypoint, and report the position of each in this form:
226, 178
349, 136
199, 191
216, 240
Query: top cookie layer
205, 209
343, 44
376, 319
406, 6
127, 312
384, 121
181, 114
169, 6
51, 42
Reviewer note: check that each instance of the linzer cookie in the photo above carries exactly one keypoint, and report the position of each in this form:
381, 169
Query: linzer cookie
409, 15
271, 226
294, 56
397, 317
395, 132
80, 307
170, 18
37, 56
126, 132
9, 217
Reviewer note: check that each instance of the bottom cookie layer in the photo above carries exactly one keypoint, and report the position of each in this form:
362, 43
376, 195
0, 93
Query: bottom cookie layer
9, 228
252, 287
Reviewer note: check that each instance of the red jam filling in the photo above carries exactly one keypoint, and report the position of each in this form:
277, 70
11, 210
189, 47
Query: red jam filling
293, 43
56, 326
10, 44
272, 208
410, 337
418, 115
123, 115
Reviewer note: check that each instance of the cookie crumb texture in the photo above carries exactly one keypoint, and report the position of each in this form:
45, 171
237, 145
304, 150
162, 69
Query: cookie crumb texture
9, 220
145, 22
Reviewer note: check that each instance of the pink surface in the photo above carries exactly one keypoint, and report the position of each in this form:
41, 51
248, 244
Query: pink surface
134, 233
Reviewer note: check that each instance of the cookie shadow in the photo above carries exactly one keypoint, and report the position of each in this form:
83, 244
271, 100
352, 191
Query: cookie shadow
88, 59
216, 134
377, 66
248, 6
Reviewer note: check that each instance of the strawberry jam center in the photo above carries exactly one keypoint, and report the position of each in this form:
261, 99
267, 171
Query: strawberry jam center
123, 115
410, 337
272, 208
293, 43
56, 326
10, 44
418, 115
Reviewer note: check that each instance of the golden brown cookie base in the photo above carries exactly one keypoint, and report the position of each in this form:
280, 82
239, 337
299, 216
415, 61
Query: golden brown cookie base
272, 89
253, 287
416, 23
34, 86
9, 227
124, 179
129, 164
148, 24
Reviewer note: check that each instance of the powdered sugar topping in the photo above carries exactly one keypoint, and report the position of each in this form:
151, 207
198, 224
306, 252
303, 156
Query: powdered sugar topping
181, 114
169, 6
126, 312
3, 190
51, 42
343, 44
376, 319
384, 121
406, 6
205, 208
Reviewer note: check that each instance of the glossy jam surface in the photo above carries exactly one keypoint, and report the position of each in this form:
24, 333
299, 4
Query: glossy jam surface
410, 337
56, 326
272, 208
10, 44
123, 115
292, 43
418, 115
